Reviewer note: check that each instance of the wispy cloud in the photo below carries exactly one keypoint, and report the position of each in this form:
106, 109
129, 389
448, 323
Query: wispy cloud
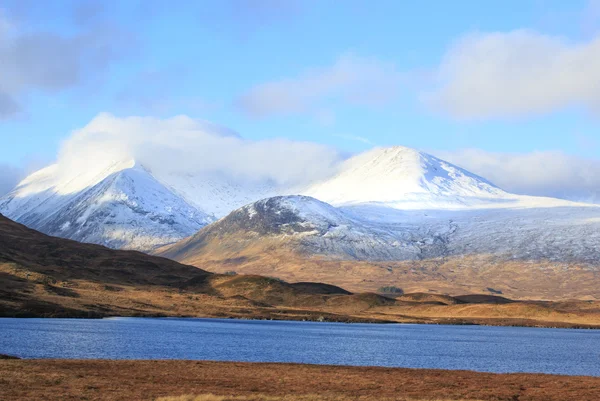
153, 92
355, 138
350, 79
240, 19
591, 17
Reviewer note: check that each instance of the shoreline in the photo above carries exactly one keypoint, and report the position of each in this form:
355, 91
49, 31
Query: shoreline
486, 322
60, 379
13, 358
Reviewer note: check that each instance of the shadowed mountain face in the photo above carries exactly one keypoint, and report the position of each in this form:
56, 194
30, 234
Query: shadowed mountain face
310, 224
36, 253
49, 276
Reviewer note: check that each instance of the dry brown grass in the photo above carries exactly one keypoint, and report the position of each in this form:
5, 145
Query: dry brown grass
279, 256
260, 298
307, 397
149, 380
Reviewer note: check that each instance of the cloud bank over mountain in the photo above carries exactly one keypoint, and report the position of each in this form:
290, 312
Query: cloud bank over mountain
185, 145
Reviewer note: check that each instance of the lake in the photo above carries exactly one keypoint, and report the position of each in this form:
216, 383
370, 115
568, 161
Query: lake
479, 348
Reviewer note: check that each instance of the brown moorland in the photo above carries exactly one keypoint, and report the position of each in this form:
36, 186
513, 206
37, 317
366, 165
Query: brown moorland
149, 380
264, 397
224, 246
44, 276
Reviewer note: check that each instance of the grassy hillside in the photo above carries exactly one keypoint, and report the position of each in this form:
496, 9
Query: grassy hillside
52, 277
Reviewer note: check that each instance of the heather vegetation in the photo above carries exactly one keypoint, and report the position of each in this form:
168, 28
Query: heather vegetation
310, 397
390, 290
45, 379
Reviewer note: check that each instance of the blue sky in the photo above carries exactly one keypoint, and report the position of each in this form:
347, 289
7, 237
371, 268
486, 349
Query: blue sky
350, 75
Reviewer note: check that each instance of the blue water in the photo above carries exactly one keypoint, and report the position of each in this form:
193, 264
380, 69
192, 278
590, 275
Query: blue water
487, 349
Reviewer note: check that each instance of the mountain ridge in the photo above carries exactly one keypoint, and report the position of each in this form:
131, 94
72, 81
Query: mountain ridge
148, 209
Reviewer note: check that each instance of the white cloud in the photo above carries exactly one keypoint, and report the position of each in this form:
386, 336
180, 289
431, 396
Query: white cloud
489, 75
548, 173
182, 144
185, 145
350, 79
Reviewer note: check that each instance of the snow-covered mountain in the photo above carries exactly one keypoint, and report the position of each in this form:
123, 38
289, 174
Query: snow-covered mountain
216, 194
376, 233
120, 205
301, 222
405, 178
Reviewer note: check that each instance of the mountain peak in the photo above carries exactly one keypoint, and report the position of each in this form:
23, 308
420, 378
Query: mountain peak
117, 204
403, 177
285, 214
394, 150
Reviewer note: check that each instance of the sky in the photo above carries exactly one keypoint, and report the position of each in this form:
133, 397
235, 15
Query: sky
507, 89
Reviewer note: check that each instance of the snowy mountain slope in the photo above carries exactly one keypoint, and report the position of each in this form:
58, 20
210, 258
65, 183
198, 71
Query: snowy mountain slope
563, 234
405, 178
312, 226
123, 205
120, 206
216, 194
375, 233
50, 188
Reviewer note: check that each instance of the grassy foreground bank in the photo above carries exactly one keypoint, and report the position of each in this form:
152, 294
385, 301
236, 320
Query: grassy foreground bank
222, 381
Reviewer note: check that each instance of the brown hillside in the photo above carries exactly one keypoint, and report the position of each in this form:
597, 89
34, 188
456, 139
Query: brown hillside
275, 240
427, 298
279, 257
46, 276
34, 253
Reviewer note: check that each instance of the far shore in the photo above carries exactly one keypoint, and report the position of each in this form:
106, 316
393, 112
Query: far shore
333, 318
176, 380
